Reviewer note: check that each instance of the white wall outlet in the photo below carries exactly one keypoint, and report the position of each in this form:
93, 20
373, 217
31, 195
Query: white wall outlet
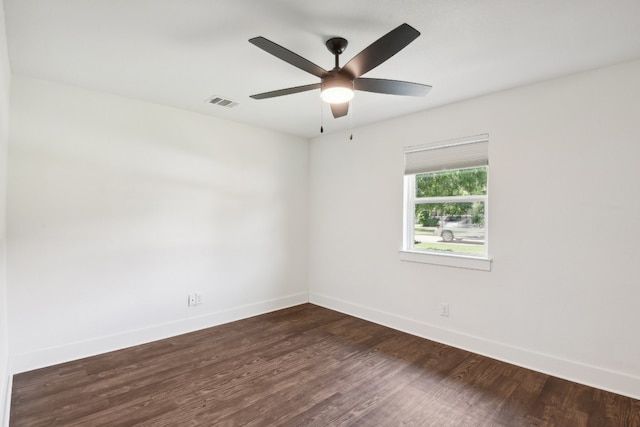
444, 309
194, 299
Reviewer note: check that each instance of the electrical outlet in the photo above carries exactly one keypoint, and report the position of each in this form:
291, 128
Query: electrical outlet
444, 309
194, 299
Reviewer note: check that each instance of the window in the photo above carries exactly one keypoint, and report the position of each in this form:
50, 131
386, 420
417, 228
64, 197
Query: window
446, 198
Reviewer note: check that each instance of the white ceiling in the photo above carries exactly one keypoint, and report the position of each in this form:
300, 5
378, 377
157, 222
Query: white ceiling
181, 52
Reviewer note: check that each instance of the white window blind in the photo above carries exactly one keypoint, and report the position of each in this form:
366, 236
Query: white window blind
447, 155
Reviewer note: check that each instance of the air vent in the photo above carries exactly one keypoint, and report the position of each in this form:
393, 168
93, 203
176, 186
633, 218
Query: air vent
221, 101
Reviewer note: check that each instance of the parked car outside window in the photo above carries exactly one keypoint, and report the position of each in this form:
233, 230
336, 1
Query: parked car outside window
459, 228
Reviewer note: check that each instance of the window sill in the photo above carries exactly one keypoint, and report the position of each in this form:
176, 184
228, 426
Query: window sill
459, 261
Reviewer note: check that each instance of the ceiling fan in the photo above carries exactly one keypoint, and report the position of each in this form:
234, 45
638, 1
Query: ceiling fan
337, 85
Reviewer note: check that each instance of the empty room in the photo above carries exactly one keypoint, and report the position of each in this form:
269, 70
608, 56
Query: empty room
290, 213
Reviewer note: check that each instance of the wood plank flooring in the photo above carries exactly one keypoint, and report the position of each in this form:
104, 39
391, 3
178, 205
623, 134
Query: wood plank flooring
305, 366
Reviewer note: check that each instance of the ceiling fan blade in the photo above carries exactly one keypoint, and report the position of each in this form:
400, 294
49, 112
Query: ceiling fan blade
339, 110
288, 91
287, 56
381, 50
391, 87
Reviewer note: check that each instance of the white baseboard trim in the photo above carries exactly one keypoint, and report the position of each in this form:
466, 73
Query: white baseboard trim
78, 350
7, 402
593, 376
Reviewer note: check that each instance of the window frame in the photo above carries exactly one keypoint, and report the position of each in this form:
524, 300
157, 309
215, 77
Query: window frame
408, 252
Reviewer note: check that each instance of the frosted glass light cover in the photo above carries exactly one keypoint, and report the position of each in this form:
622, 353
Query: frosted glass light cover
336, 95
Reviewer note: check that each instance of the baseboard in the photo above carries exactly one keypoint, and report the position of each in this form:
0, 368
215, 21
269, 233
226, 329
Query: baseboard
616, 382
78, 350
7, 402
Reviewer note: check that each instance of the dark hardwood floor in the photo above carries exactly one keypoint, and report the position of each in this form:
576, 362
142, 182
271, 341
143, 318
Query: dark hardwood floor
305, 366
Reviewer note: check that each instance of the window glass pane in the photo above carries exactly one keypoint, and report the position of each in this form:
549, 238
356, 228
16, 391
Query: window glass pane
454, 228
461, 182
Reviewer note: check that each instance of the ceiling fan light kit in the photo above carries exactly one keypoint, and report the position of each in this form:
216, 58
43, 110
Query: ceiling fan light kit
337, 85
336, 90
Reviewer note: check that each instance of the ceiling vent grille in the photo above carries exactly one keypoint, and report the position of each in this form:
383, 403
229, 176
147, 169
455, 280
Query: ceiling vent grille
221, 101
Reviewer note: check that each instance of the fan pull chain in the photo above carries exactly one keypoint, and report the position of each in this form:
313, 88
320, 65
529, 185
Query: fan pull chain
351, 121
321, 117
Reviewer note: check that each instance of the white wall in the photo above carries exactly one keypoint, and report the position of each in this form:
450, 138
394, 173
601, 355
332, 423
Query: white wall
5, 81
563, 294
118, 209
